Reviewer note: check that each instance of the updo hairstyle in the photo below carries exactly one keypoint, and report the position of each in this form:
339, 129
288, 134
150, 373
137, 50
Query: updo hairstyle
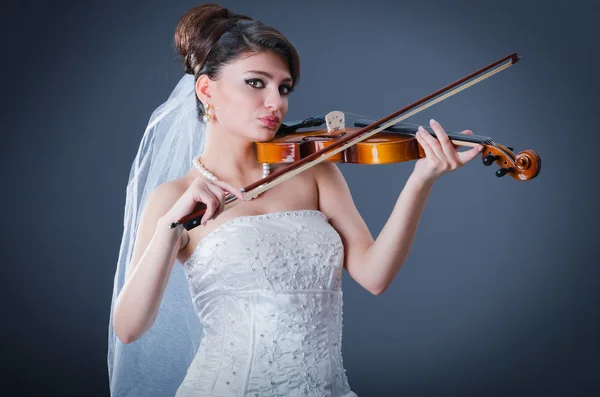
209, 36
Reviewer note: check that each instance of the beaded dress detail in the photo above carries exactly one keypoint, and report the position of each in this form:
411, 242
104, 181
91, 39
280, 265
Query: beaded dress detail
267, 289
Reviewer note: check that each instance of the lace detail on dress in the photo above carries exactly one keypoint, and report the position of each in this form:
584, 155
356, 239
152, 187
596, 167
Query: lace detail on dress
268, 290
253, 218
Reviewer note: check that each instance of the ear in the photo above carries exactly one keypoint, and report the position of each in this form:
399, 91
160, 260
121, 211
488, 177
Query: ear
203, 88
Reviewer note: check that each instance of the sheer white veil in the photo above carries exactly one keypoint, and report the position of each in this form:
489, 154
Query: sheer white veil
156, 364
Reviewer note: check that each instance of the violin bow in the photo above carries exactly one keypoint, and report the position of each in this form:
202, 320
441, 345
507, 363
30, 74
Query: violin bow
277, 177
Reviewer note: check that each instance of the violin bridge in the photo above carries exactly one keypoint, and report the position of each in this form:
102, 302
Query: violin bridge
335, 120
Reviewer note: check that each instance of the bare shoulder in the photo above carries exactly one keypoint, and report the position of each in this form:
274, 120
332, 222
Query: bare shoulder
167, 193
162, 199
325, 169
329, 178
335, 199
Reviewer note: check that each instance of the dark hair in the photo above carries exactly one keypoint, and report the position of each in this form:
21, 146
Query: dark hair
209, 36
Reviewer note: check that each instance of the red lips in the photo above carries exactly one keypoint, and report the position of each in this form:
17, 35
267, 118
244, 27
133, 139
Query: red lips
270, 121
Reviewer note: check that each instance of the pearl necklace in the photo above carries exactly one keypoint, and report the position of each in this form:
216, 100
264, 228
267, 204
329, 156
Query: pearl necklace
266, 170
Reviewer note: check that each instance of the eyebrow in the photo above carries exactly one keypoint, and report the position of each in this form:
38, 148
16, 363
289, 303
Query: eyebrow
269, 75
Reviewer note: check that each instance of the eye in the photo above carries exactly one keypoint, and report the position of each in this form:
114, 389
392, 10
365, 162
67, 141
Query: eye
256, 83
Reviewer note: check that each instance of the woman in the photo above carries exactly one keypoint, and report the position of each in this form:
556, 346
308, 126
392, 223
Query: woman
264, 276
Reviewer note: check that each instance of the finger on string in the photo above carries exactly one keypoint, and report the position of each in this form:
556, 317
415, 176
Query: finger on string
468, 155
434, 144
420, 135
445, 144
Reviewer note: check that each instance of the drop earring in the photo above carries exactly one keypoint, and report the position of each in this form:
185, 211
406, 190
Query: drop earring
206, 117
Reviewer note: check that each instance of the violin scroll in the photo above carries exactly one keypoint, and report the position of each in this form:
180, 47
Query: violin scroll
524, 166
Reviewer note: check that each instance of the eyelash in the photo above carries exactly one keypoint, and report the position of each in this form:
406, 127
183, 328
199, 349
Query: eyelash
287, 87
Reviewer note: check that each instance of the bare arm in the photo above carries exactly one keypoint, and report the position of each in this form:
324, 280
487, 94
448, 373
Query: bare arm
388, 253
156, 248
374, 264
154, 254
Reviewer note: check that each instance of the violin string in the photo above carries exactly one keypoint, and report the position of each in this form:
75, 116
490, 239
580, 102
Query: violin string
479, 138
487, 141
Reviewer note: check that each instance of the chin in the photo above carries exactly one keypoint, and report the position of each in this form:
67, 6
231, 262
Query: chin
264, 134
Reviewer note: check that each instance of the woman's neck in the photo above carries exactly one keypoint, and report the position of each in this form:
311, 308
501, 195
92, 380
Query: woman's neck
230, 158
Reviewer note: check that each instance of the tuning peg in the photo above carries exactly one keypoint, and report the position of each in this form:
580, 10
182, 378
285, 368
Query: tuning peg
489, 159
503, 171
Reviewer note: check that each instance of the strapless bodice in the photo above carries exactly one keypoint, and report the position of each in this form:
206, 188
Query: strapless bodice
267, 289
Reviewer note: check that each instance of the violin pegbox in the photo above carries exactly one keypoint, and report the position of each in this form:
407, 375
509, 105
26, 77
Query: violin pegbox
335, 120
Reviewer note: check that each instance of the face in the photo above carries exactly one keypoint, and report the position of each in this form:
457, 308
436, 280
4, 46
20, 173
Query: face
250, 96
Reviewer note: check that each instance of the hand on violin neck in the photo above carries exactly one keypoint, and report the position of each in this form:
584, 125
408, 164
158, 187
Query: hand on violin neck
441, 155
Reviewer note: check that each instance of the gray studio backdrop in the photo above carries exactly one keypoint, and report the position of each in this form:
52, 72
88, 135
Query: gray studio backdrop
499, 294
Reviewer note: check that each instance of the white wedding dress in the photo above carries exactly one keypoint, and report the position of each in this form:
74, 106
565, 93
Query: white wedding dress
267, 289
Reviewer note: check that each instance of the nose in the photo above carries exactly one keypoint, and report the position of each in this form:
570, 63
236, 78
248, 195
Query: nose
273, 101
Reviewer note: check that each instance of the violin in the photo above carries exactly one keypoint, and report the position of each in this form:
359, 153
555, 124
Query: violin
394, 144
373, 142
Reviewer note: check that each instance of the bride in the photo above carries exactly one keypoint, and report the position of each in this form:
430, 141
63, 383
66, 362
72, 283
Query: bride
255, 306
